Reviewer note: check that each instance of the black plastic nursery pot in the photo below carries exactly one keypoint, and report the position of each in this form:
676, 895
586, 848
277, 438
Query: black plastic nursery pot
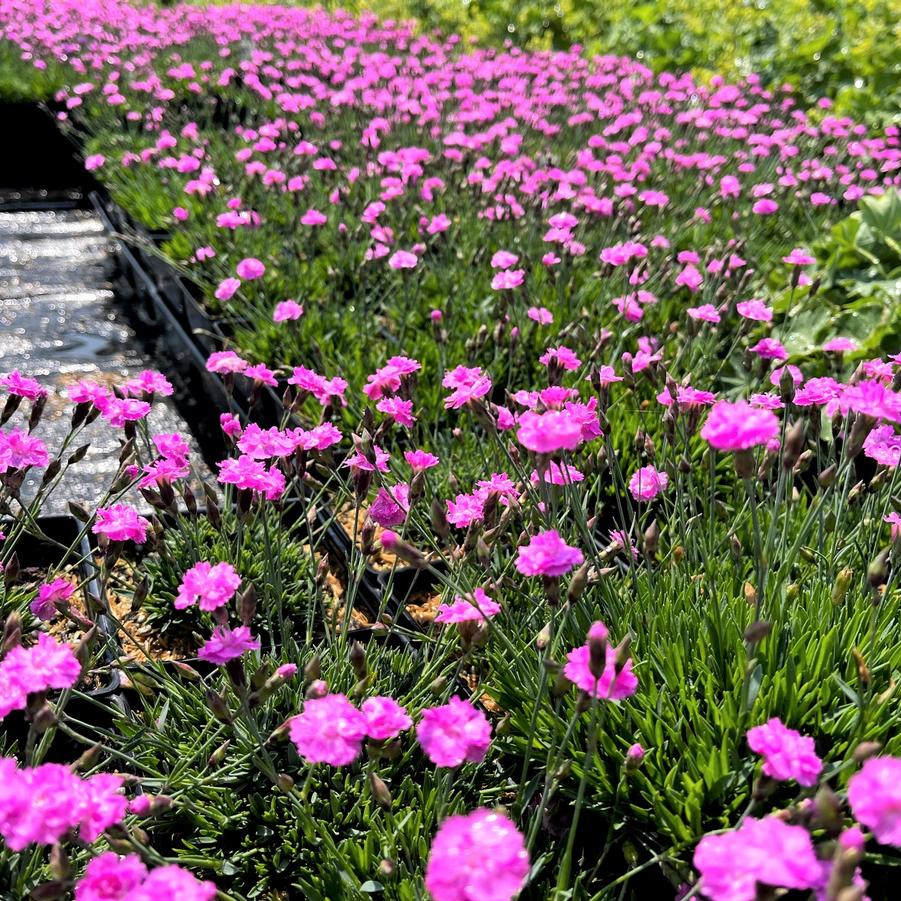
38, 166
101, 703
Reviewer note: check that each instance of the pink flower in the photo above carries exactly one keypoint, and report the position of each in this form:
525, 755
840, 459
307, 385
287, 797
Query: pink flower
467, 383
401, 411
322, 388
647, 482
547, 554
173, 883
420, 460
385, 718
94, 161
690, 278
872, 399
786, 753
754, 309
252, 475
503, 259
562, 356
45, 665
550, 432
593, 667
477, 857
21, 450
706, 312
262, 375
227, 288
110, 878
507, 279
18, 384
208, 586
329, 730
840, 345
799, 257
250, 268
769, 349
541, 315
225, 361
765, 207
49, 594
475, 608
313, 218
120, 523
226, 644
403, 259
739, 426
390, 506
454, 734
149, 382
765, 852
377, 462
231, 425
102, 805
874, 794
465, 509
883, 445
287, 310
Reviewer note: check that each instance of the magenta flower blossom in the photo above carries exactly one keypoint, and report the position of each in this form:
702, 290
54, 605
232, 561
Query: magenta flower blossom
840, 345
475, 608
21, 450
110, 878
420, 460
647, 482
207, 585
403, 259
46, 665
769, 349
786, 753
467, 383
390, 506
562, 356
547, 554
250, 268
287, 311
226, 644
477, 857
323, 389
707, 312
739, 426
227, 289
225, 361
765, 852
799, 257
756, 310
541, 315
454, 733
49, 594
41, 805
385, 718
465, 509
549, 432
874, 794
173, 883
18, 384
503, 259
120, 523
610, 682
253, 475
329, 730
149, 382
508, 279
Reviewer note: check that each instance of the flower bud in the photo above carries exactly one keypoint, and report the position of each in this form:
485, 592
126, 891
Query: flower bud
218, 756
380, 794
757, 631
312, 671
577, 584
865, 750
247, 605
843, 581
217, 705
284, 782
634, 758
